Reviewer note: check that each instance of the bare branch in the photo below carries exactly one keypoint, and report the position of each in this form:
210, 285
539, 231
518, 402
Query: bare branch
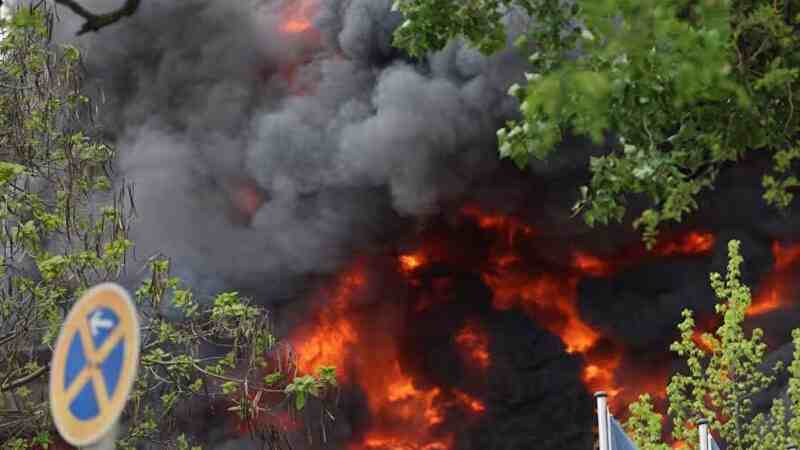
95, 22
24, 380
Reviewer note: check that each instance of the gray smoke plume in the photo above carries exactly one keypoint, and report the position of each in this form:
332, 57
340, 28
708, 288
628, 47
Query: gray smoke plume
197, 97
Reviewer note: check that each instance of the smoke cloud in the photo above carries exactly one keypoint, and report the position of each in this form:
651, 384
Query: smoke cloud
349, 137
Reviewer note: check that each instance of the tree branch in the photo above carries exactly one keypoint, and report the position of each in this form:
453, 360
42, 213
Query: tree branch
24, 380
95, 22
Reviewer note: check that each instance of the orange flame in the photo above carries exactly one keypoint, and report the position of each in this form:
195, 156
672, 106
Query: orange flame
507, 224
768, 299
404, 414
776, 289
378, 442
411, 262
297, 18
591, 264
598, 373
474, 345
473, 404
693, 243
551, 299
327, 342
398, 406
544, 296
701, 341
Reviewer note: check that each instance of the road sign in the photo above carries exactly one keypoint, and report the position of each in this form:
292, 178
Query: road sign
94, 364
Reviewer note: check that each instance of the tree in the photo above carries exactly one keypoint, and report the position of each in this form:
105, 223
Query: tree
687, 87
64, 227
94, 22
721, 378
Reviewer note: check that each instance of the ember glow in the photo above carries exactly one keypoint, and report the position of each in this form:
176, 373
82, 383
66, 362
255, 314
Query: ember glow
411, 262
509, 226
785, 256
298, 16
693, 243
474, 345
591, 264
472, 403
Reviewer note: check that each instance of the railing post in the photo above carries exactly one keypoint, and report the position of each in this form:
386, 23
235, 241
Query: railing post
702, 430
602, 419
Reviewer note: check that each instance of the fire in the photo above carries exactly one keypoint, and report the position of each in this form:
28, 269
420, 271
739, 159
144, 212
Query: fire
472, 403
545, 296
768, 299
297, 18
776, 290
399, 398
405, 413
785, 257
296, 25
408, 411
551, 298
411, 262
591, 264
703, 326
598, 374
510, 226
693, 243
702, 342
398, 406
389, 443
474, 345
248, 199
332, 334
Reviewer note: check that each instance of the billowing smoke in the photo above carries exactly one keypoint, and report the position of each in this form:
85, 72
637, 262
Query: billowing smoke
339, 133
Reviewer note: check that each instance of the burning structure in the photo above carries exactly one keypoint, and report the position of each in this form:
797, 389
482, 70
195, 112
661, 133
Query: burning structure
286, 150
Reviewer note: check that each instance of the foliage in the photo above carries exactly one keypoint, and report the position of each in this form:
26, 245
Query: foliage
303, 387
687, 87
723, 374
64, 228
644, 425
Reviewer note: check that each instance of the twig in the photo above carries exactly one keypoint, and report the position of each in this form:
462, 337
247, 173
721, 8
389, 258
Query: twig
24, 380
95, 22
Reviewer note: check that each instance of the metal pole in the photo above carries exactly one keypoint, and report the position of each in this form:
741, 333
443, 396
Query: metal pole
107, 442
702, 429
602, 419
609, 418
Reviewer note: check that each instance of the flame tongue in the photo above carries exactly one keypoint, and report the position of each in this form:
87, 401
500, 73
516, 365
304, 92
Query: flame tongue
407, 410
777, 288
359, 340
474, 345
298, 16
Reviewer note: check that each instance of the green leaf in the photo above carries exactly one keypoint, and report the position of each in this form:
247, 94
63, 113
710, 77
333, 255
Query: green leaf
9, 171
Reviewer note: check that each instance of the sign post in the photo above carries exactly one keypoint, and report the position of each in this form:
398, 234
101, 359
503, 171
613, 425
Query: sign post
94, 366
702, 430
602, 419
